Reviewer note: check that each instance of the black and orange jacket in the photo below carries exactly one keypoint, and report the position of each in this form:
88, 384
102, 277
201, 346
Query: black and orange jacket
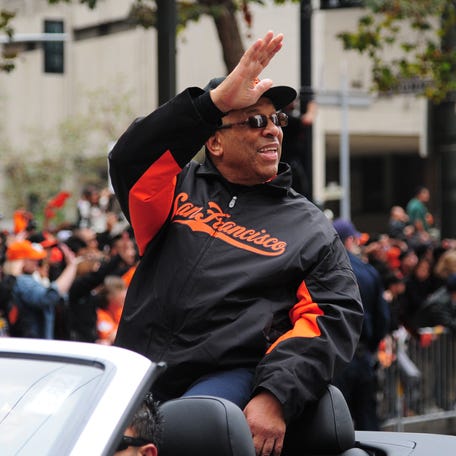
229, 276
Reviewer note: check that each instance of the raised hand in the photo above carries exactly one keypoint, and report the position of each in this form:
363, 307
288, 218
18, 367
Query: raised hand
242, 88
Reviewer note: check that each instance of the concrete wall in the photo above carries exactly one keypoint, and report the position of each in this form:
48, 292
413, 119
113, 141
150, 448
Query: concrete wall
125, 62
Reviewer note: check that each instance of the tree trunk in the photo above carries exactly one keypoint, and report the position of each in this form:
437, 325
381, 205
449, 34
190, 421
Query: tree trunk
228, 31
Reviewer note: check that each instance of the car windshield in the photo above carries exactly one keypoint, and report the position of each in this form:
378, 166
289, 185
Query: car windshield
48, 396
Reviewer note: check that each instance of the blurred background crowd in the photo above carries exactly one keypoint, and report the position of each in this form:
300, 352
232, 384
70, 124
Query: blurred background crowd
69, 282
417, 270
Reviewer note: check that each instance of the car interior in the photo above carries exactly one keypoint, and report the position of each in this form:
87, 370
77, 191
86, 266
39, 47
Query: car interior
209, 426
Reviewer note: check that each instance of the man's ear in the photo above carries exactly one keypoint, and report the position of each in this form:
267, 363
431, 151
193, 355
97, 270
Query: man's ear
214, 145
148, 450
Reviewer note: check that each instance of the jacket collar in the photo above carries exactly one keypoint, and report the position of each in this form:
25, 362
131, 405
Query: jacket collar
281, 182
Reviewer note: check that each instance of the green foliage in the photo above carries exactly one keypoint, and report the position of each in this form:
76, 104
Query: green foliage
5, 17
8, 55
420, 30
56, 159
32, 193
143, 12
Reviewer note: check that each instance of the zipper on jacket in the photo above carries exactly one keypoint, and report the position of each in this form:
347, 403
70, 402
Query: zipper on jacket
232, 203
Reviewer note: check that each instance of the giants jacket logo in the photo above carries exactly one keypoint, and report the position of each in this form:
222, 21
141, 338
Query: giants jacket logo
217, 223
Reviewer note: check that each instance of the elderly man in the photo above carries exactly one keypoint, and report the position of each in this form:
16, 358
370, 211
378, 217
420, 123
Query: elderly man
244, 288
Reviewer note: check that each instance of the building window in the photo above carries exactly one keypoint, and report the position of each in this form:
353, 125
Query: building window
53, 50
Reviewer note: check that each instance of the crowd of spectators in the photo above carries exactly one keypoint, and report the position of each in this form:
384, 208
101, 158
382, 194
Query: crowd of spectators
69, 282
414, 266
418, 271
407, 280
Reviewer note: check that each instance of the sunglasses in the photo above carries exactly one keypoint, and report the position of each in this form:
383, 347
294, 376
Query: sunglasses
280, 119
128, 441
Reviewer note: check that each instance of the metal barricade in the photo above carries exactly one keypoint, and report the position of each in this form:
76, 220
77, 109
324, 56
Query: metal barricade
419, 385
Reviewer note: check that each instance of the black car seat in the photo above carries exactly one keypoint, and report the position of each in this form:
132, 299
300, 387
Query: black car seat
326, 429
204, 426
210, 426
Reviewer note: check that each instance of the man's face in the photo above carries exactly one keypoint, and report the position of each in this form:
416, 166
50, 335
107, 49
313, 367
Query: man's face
145, 450
30, 266
424, 195
246, 155
398, 288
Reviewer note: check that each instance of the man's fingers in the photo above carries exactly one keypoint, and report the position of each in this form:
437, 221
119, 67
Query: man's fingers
266, 447
264, 49
272, 49
278, 447
275, 44
240, 88
261, 87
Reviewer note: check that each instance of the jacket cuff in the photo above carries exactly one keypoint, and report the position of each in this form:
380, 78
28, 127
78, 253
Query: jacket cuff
207, 109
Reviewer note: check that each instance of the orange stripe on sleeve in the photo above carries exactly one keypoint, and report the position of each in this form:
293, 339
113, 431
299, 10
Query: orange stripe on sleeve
127, 276
303, 317
151, 198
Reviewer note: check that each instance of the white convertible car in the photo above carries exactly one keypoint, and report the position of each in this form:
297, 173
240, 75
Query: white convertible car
69, 398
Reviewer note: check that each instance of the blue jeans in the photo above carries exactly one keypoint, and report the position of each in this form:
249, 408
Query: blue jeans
234, 385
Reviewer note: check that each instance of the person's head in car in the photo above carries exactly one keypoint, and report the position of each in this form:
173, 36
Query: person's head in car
142, 437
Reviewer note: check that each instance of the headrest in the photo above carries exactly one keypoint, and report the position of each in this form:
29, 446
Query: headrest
204, 426
325, 429
210, 426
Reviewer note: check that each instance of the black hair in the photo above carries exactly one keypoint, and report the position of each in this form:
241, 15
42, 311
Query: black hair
147, 422
419, 189
36, 237
391, 278
75, 243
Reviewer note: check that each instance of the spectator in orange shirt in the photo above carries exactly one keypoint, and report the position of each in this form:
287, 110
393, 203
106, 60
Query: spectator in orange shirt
111, 302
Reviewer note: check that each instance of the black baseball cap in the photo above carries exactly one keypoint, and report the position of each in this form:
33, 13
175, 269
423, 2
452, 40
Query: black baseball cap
280, 96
